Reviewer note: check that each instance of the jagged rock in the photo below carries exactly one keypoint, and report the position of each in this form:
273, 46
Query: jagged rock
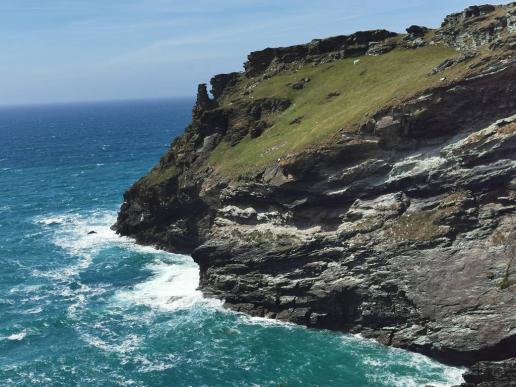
222, 82
202, 102
460, 30
322, 50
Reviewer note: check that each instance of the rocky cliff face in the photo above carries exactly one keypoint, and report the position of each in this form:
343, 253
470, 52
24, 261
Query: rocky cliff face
402, 229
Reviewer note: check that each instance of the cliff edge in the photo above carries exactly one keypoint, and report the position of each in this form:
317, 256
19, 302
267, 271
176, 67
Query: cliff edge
363, 183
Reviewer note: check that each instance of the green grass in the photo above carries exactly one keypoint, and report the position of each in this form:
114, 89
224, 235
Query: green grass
364, 88
157, 176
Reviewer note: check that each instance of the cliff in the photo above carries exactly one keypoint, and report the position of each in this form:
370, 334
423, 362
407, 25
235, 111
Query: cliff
363, 183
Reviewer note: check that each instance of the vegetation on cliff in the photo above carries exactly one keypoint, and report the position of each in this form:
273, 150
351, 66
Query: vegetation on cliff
338, 97
356, 183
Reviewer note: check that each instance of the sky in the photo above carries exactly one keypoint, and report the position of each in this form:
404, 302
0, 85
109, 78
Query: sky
88, 50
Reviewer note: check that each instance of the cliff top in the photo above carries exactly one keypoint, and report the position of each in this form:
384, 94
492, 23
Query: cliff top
292, 99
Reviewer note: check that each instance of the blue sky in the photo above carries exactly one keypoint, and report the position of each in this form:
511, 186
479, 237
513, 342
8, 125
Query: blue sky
83, 50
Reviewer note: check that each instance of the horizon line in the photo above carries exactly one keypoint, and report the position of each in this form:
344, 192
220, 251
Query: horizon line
92, 101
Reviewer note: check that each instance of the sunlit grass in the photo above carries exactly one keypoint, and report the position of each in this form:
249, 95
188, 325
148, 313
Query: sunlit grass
364, 88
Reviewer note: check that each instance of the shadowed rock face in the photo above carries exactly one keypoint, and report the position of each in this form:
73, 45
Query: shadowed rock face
402, 230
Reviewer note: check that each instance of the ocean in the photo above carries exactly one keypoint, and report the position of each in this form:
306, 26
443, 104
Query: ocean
81, 309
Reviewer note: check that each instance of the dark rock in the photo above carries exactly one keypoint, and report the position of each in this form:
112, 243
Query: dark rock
297, 85
296, 121
203, 101
337, 47
222, 82
257, 130
417, 31
92, 232
300, 84
333, 94
453, 61
492, 374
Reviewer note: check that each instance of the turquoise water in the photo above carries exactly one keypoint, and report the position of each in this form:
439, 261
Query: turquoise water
79, 309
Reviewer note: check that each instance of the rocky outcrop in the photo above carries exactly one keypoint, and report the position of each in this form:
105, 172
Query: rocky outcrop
477, 26
401, 249
318, 50
492, 374
402, 230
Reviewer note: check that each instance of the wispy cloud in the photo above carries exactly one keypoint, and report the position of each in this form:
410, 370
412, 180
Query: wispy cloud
75, 49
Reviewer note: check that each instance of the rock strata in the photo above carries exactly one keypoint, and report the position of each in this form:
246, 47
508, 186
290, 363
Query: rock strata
401, 230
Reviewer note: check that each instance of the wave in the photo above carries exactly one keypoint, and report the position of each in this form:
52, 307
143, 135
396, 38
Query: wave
81, 235
381, 360
172, 286
174, 280
17, 336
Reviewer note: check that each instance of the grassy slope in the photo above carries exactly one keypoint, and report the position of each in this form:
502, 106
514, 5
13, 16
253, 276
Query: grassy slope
364, 88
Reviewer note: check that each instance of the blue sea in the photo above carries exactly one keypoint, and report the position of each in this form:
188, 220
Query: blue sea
80, 309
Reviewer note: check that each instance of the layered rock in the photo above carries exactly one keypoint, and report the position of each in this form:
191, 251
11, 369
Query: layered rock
402, 230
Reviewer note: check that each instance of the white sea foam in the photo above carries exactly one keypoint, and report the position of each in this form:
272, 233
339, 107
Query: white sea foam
17, 336
174, 280
153, 366
268, 322
394, 357
172, 286
128, 345
82, 236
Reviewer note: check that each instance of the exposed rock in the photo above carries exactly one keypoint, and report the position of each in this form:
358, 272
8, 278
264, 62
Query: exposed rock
380, 48
324, 50
391, 230
333, 94
417, 31
453, 61
413, 42
476, 26
300, 84
203, 101
296, 121
222, 82
492, 374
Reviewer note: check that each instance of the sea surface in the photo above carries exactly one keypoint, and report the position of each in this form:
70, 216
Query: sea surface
79, 309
